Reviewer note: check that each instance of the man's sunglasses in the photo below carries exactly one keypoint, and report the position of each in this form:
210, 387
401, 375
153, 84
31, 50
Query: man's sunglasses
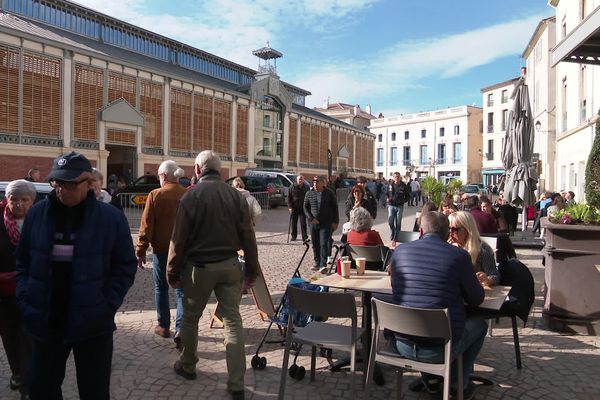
69, 185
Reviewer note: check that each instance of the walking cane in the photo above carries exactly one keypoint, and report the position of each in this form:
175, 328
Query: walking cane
289, 228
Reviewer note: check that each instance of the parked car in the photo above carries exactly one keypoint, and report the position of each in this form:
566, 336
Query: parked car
286, 178
470, 190
271, 187
345, 183
137, 192
43, 189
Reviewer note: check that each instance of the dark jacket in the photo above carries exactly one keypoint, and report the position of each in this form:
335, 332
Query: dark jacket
102, 270
7, 260
398, 194
295, 199
213, 222
327, 213
430, 273
369, 202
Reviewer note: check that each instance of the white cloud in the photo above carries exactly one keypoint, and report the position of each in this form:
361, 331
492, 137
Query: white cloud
405, 64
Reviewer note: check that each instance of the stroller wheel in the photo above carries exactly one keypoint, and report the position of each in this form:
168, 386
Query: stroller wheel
297, 372
255, 362
293, 370
262, 363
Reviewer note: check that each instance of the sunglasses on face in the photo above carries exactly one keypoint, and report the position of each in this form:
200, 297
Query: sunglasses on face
69, 185
454, 229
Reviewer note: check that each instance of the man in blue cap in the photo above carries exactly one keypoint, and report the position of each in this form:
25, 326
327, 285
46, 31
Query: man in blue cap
75, 263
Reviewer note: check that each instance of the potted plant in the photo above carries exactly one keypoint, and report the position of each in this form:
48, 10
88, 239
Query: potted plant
434, 189
572, 249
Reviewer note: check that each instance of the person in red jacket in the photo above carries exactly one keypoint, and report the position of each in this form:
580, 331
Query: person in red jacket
486, 223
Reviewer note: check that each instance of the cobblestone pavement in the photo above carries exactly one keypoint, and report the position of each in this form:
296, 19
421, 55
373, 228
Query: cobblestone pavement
555, 365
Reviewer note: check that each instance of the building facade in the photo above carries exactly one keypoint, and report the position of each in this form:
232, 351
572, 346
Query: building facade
440, 143
576, 59
352, 115
127, 98
541, 80
497, 103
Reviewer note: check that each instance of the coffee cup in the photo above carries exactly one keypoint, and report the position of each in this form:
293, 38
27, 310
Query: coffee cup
361, 263
346, 269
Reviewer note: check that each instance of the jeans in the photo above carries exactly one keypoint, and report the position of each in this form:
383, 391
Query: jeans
395, 220
199, 281
469, 345
298, 215
161, 293
93, 359
320, 234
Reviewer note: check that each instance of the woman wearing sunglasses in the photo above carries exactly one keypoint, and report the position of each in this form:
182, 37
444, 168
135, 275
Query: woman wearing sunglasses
464, 234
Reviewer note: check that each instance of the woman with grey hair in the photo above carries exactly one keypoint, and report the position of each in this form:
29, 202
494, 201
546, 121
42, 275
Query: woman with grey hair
360, 233
97, 181
20, 195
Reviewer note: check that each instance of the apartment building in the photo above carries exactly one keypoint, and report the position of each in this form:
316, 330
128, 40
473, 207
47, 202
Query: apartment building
576, 59
442, 143
541, 80
497, 103
351, 114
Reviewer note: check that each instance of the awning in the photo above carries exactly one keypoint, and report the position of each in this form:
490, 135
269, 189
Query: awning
582, 45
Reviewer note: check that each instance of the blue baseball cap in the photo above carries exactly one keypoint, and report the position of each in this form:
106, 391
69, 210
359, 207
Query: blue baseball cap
69, 167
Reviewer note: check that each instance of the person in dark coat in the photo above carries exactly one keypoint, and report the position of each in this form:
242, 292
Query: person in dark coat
75, 264
321, 209
370, 201
431, 273
295, 201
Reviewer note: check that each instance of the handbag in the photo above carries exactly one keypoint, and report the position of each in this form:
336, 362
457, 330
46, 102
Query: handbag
8, 284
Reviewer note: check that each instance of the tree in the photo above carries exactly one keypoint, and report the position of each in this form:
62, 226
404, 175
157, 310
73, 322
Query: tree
592, 172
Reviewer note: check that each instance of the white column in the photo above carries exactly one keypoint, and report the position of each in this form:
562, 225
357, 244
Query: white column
166, 131
233, 128
298, 137
286, 140
67, 99
251, 127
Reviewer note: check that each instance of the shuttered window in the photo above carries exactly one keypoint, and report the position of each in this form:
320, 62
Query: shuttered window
202, 123
9, 92
335, 146
151, 102
323, 145
120, 136
88, 92
181, 119
41, 95
304, 142
121, 86
241, 145
314, 144
350, 145
222, 143
292, 140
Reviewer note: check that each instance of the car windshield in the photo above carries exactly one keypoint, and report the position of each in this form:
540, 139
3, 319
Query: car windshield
470, 189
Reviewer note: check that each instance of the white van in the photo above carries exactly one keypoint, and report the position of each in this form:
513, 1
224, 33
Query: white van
287, 178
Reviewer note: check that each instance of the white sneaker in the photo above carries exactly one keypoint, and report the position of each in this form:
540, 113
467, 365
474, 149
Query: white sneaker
324, 270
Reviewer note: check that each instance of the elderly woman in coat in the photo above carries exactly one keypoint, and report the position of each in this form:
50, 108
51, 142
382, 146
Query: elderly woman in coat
20, 195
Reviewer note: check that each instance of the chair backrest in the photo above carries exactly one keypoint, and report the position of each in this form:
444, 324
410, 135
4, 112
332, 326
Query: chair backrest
522, 294
406, 236
371, 253
492, 241
422, 322
322, 304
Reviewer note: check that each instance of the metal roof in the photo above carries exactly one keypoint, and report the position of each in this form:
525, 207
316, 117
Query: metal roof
582, 44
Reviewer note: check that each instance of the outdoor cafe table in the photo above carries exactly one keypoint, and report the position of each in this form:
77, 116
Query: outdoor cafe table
379, 282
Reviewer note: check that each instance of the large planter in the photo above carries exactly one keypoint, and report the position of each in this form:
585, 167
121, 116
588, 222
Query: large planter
572, 274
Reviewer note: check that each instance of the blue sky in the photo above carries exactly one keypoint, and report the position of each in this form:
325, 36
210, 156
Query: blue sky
399, 56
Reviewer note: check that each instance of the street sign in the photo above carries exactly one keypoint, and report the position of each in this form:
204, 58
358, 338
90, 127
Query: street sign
139, 199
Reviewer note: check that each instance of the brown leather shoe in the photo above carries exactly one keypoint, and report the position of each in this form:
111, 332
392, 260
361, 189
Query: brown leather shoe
163, 332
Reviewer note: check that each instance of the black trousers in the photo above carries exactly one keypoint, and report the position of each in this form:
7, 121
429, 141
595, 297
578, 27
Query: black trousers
16, 342
298, 215
93, 359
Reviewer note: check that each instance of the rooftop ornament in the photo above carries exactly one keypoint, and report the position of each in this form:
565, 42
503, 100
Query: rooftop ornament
269, 57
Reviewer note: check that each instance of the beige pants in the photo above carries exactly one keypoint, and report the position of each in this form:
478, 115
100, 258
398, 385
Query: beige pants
225, 278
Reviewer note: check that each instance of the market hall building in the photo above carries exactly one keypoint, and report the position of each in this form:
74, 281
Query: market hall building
72, 78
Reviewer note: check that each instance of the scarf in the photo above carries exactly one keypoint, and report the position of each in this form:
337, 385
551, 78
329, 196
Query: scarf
14, 234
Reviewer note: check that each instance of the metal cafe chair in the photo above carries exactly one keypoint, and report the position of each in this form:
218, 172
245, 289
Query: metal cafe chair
321, 334
376, 256
421, 322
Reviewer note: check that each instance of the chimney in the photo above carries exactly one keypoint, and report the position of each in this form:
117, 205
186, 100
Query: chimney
326, 103
368, 109
356, 109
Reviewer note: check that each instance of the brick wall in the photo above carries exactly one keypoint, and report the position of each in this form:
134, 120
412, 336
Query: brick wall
16, 167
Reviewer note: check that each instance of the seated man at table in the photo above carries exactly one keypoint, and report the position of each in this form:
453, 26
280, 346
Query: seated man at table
430, 273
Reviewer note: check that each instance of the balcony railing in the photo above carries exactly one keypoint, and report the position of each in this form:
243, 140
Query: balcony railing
457, 160
379, 163
440, 161
406, 163
490, 128
490, 103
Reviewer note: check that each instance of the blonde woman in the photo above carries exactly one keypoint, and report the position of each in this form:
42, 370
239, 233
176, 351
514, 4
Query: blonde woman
464, 234
253, 205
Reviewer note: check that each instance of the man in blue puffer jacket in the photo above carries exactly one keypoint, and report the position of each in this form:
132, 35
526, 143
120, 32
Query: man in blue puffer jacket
75, 263
430, 273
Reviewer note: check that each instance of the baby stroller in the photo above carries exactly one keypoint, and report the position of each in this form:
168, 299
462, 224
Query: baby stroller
280, 316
